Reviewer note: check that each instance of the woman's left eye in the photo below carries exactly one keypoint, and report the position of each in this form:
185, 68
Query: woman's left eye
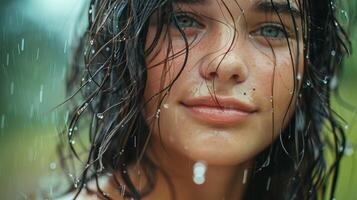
185, 21
271, 32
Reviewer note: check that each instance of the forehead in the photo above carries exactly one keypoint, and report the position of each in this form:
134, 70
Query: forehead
292, 3
290, 7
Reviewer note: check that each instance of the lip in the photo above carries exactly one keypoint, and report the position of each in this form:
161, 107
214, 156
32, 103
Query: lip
219, 111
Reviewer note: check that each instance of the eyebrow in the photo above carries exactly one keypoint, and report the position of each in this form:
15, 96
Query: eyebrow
278, 7
191, 1
260, 6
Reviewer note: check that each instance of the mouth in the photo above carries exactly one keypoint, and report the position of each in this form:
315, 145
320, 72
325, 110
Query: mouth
219, 110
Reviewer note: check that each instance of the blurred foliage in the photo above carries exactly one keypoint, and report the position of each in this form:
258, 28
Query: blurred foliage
34, 54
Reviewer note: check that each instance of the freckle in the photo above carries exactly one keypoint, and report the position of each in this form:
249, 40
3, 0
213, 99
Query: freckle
245, 93
253, 89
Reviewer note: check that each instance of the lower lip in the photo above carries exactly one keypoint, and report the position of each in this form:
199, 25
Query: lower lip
218, 116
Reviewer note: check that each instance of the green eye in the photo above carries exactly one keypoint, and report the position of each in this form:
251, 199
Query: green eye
185, 21
271, 31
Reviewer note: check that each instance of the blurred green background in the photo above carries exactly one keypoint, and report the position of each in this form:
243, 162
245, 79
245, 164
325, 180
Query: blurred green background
37, 38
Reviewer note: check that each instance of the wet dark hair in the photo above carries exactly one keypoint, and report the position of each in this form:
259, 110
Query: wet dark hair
109, 66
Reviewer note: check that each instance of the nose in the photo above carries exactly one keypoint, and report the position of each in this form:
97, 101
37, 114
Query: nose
227, 65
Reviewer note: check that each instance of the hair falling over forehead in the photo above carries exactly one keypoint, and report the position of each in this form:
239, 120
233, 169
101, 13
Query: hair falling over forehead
111, 83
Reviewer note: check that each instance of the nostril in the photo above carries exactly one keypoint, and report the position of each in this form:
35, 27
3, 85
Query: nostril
235, 77
213, 75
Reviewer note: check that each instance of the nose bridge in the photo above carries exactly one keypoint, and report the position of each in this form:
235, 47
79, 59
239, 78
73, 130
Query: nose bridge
227, 63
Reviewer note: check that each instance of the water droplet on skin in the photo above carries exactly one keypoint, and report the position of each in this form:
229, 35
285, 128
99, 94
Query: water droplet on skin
158, 113
100, 115
166, 105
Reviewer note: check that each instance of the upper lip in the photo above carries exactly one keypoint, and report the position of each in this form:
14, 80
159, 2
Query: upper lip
220, 102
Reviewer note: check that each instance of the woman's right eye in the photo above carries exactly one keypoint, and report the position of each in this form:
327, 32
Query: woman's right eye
185, 21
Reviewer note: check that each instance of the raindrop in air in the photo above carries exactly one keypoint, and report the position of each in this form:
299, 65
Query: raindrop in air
349, 150
333, 53
7, 59
2, 121
245, 175
308, 83
41, 94
23, 44
53, 165
12, 86
268, 184
333, 83
199, 170
298, 77
38, 54
346, 126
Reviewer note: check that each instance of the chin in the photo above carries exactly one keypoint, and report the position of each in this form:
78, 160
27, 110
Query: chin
216, 150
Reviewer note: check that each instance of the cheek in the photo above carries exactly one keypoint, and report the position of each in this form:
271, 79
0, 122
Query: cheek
274, 79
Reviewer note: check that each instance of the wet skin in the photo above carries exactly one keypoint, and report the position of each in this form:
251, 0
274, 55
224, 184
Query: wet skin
230, 100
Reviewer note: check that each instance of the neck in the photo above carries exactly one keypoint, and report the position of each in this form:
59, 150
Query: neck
175, 178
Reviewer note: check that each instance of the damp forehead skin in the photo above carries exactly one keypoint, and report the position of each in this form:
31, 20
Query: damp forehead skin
247, 73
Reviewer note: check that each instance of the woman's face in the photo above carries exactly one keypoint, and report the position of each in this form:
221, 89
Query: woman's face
230, 100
